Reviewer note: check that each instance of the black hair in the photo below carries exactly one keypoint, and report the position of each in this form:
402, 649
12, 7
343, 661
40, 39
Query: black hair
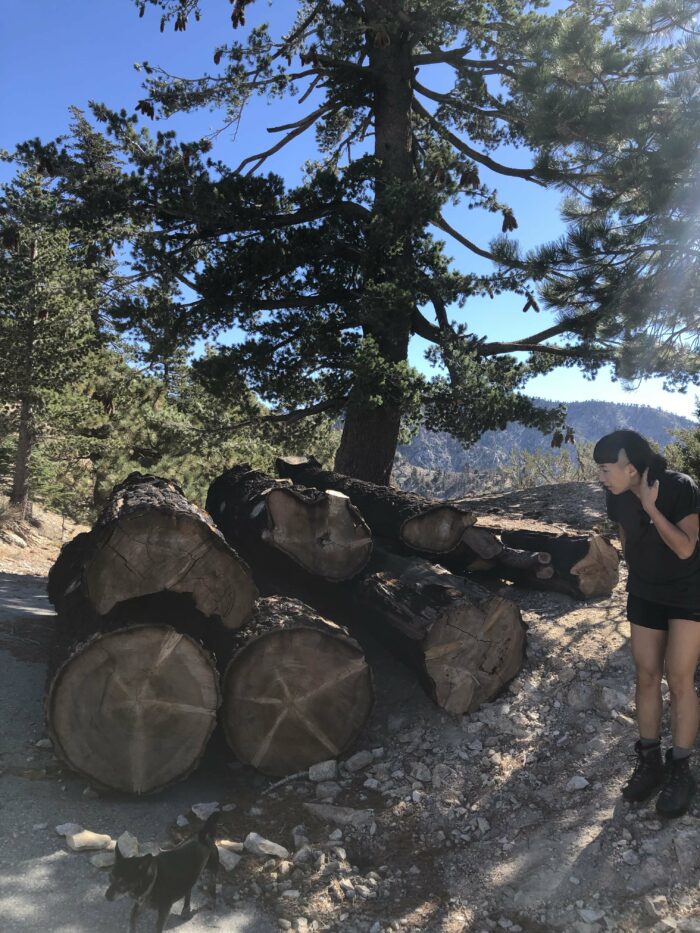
638, 449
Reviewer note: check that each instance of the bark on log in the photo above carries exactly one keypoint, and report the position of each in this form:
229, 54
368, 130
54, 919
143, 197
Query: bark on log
467, 642
131, 708
297, 691
323, 532
481, 549
585, 567
149, 539
428, 525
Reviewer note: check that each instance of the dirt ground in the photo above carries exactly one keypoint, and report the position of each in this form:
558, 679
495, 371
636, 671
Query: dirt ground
507, 819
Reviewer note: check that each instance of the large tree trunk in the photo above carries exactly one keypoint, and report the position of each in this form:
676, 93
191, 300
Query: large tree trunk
297, 691
426, 525
323, 532
370, 433
19, 494
150, 539
131, 702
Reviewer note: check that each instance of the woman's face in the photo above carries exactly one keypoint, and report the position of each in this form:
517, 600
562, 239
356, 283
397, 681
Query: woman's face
618, 477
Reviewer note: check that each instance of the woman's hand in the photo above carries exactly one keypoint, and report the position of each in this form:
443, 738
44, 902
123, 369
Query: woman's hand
648, 494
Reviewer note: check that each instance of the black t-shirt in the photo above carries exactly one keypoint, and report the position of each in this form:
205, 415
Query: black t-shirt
656, 573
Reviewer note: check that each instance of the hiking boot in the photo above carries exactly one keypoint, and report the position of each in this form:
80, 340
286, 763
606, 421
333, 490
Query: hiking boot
678, 788
648, 774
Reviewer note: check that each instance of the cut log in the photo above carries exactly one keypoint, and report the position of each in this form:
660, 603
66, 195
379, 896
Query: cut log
322, 532
150, 539
585, 567
468, 643
132, 709
297, 691
426, 525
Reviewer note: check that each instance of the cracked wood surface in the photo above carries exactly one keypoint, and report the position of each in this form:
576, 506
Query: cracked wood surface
297, 691
426, 525
150, 539
468, 643
320, 531
132, 709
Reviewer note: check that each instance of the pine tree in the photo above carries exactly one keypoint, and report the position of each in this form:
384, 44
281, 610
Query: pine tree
48, 308
329, 280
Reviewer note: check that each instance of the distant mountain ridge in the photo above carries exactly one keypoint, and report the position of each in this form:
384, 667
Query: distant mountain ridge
590, 421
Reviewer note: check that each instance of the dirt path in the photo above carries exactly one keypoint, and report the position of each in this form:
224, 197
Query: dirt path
508, 819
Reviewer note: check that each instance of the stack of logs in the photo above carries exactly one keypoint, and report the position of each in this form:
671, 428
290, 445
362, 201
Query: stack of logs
160, 627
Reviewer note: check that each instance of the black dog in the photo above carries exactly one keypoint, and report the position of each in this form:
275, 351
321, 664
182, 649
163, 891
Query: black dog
158, 881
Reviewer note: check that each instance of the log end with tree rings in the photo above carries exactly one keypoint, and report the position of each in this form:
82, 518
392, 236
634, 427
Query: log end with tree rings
438, 529
151, 550
473, 651
326, 535
297, 692
133, 709
599, 571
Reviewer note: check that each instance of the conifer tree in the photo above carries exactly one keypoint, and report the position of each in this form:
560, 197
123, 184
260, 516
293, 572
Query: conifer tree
48, 310
412, 103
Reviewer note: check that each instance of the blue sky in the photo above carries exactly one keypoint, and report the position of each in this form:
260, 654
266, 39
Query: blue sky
53, 55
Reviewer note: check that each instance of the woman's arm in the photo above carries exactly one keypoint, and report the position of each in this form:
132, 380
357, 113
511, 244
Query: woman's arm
682, 537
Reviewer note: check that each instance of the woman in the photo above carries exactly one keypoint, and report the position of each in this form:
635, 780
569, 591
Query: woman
657, 513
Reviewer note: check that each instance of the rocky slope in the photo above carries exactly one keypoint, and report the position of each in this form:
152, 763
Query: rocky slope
507, 819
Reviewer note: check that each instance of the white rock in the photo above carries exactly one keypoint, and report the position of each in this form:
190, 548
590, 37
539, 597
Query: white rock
44, 743
204, 810
182, 821
128, 845
291, 894
336, 835
359, 761
422, 773
630, 857
227, 859
687, 847
102, 859
40, 826
343, 816
608, 699
324, 771
231, 845
69, 829
655, 905
87, 840
328, 790
260, 846
581, 697
578, 782
591, 916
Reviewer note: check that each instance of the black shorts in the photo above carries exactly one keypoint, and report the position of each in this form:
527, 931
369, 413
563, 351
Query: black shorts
654, 615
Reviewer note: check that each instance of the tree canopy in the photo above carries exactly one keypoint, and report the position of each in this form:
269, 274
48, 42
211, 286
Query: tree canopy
329, 279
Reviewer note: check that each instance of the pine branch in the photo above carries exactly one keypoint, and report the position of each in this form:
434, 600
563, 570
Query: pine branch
454, 102
290, 417
462, 147
261, 157
442, 224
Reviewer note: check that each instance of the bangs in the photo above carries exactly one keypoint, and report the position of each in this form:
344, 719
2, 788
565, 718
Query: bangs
608, 448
